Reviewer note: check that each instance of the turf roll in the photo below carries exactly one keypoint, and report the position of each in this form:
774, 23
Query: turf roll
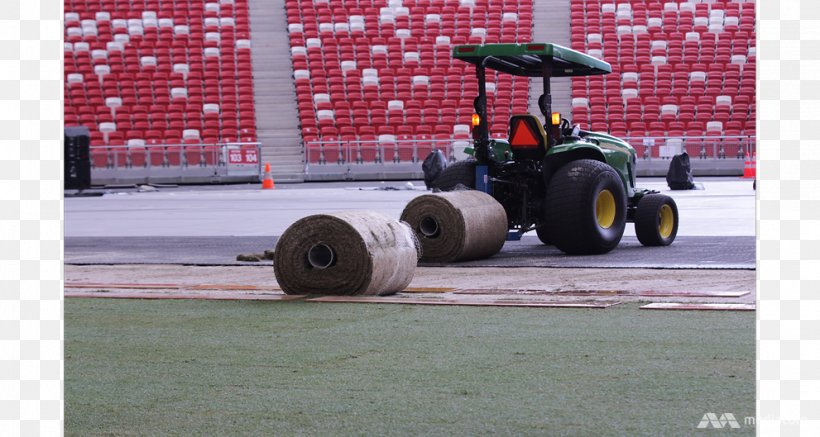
457, 225
346, 253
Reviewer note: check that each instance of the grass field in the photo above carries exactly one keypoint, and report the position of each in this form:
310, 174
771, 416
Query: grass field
286, 368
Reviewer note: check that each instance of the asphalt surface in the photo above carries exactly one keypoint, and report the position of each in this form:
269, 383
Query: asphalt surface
688, 252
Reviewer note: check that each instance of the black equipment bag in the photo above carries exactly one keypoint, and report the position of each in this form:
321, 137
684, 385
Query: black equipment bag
679, 176
432, 166
77, 164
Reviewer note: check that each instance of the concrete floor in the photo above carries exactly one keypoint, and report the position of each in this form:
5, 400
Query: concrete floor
725, 207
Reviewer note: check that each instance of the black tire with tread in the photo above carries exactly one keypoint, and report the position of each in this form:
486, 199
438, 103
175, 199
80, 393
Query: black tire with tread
459, 172
647, 220
571, 204
543, 234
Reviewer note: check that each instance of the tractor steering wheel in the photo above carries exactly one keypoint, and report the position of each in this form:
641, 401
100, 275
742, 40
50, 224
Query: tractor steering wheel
564, 124
569, 130
566, 127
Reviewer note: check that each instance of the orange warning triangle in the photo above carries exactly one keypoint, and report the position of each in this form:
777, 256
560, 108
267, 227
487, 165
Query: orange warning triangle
523, 135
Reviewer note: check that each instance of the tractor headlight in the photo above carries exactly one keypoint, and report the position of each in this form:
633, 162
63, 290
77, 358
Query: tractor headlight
476, 120
556, 118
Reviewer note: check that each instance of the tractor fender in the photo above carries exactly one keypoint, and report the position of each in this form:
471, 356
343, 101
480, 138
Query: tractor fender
559, 155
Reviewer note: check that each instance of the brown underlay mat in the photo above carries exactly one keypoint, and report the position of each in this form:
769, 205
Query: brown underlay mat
477, 291
462, 302
232, 287
428, 290
95, 285
83, 285
205, 296
700, 306
465, 301
642, 293
239, 287
181, 291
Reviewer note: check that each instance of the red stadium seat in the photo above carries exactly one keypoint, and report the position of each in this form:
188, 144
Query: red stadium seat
139, 84
400, 76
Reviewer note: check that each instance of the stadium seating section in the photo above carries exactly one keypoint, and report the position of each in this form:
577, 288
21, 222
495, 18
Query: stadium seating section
159, 72
679, 68
381, 72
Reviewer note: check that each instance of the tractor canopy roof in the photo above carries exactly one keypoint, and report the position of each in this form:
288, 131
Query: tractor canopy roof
529, 59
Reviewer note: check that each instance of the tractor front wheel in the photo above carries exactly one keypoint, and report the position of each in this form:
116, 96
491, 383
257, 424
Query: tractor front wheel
656, 220
586, 208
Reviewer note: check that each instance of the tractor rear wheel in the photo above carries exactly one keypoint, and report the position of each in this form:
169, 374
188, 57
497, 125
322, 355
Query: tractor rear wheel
543, 234
586, 208
656, 220
459, 172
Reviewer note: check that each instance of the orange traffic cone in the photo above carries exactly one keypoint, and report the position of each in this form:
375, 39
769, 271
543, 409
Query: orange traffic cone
749, 170
267, 180
754, 165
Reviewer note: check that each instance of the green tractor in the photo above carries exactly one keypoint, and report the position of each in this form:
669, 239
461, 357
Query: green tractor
575, 188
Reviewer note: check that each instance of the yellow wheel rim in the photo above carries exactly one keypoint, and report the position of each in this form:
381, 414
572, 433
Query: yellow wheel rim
666, 221
605, 209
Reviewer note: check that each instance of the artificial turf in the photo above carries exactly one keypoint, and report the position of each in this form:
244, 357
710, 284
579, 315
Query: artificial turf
294, 368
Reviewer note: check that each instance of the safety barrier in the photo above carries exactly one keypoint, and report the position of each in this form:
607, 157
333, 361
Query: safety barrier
175, 163
367, 159
697, 147
398, 159
373, 159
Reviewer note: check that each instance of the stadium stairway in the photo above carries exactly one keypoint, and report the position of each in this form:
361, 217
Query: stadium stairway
553, 18
277, 120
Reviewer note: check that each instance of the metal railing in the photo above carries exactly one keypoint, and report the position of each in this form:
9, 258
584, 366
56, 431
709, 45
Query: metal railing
170, 155
381, 152
175, 162
402, 158
414, 151
698, 147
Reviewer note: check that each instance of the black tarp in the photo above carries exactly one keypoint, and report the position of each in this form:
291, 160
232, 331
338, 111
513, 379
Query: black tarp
679, 176
432, 166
